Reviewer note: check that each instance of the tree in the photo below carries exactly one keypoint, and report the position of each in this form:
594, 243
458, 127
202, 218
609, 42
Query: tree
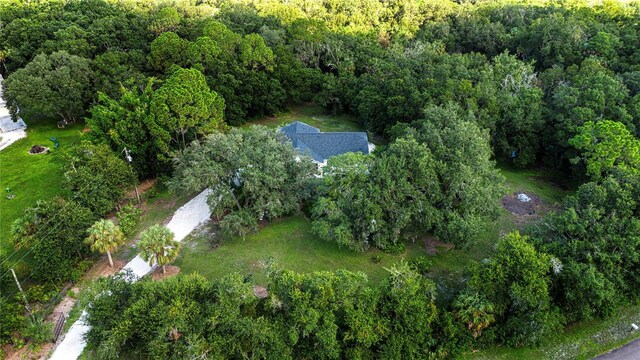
105, 237
183, 108
96, 177
167, 19
125, 123
58, 84
474, 311
607, 145
408, 303
357, 207
423, 181
590, 92
516, 281
595, 238
517, 133
168, 50
53, 231
153, 123
157, 245
253, 175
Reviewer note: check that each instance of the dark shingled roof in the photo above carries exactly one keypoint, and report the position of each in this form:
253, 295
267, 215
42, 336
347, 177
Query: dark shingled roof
298, 127
321, 146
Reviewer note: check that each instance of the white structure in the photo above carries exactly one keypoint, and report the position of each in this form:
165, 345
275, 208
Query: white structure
10, 131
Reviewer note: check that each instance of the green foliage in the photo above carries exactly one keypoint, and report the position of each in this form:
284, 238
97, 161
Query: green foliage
182, 108
516, 281
421, 264
253, 175
475, 312
437, 186
167, 19
317, 315
95, 177
408, 301
58, 84
38, 330
53, 231
592, 92
128, 218
155, 122
595, 238
157, 246
105, 237
607, 145
125, 123
12, 319
41, 293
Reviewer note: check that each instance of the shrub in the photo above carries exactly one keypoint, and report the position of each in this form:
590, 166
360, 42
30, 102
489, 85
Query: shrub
128, 218
421, 264
38, 330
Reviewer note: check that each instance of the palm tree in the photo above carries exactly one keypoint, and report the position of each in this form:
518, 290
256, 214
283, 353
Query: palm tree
105, 236
157, 245
474, 311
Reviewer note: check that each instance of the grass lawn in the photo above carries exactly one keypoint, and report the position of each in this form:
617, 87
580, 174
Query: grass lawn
291, 244
312, 115
32, 177
288, 241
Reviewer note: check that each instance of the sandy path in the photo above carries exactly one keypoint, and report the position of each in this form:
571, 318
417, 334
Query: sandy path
8, 138
184, 220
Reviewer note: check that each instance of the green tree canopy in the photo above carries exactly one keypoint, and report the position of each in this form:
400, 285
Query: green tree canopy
96, 177
516, 280
184, 107
596, 239
56, 85
607, 145
54, 231
254, 174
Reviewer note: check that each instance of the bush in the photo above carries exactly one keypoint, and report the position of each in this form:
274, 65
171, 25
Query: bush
376, 259
11, 321
38, 330
240, 223
421, 264
394, 248
41, 293
128, 218
80, 270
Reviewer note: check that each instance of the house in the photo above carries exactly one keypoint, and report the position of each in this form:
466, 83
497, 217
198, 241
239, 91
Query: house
320, 146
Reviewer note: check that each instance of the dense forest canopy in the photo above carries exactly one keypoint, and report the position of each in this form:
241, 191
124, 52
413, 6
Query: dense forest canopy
453, 88
530, 72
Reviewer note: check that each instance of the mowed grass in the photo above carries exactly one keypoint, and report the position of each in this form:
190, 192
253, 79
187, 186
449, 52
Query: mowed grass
551, 186
291, 244
32, 177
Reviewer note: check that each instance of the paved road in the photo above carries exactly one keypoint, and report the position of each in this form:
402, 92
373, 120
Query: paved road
631, 351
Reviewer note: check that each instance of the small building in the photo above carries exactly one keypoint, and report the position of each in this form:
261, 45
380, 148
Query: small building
320, 146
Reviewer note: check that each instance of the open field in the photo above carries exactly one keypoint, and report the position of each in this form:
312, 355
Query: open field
32, 177
290, 243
